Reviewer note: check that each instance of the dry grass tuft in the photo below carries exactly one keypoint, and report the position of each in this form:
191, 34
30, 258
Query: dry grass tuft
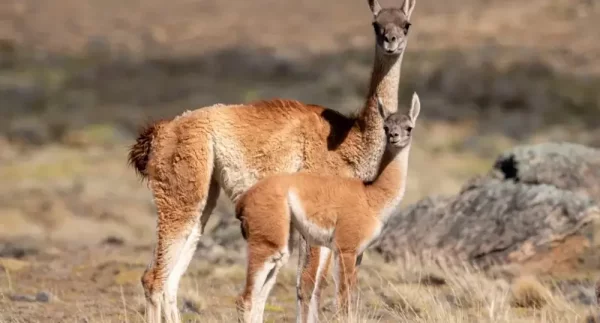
527, 291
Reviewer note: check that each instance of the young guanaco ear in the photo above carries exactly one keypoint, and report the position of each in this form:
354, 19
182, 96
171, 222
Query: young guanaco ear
375, 7
382, 111
415, 108
408, 6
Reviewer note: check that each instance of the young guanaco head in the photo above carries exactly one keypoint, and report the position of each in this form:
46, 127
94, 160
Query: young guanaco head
391, 26
398, 126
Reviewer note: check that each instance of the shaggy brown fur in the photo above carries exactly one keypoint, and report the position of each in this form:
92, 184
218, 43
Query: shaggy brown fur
342, 214
188, 159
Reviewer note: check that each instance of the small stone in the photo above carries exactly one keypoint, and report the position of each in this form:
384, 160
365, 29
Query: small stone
190, 306
113, 241
17, 251
43, 297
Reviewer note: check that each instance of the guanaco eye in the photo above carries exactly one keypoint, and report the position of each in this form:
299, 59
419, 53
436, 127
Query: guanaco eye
406, 27
378, 29
409, 129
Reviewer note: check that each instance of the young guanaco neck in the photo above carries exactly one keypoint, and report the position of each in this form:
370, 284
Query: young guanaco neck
387, 190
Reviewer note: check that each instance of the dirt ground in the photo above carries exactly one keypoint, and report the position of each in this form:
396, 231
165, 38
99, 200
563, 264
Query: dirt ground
78, 77
65, 283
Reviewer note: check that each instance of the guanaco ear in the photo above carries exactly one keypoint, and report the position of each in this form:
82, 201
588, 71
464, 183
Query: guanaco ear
375, 7
382, 111
408, 6
415, 107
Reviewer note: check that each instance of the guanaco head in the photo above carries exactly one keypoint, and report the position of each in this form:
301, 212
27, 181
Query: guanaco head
398, 126
391, 26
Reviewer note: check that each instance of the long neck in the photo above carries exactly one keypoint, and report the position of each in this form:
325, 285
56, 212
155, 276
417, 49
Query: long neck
364, 146
387, 191
385, 79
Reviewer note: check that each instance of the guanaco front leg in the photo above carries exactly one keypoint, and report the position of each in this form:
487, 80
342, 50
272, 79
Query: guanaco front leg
312, 266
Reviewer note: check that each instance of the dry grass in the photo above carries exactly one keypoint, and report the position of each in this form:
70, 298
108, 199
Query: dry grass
527, 291
409, 292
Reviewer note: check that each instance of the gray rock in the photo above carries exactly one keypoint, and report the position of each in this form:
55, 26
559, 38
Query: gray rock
44, 297
566, 166
538, 205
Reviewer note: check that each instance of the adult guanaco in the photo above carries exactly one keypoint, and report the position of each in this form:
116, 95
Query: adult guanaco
189, 159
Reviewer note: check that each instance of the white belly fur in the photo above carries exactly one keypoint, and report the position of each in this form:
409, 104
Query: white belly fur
314, 234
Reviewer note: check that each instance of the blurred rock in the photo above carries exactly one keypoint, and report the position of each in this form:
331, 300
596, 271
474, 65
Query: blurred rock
29, 131
578, 291
13, 249
538, 208
7, 52
7, 150
565, 166
44, 297
113, 241
41, 297
98, 47
189, 306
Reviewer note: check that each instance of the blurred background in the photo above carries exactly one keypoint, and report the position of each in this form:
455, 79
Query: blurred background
78, 77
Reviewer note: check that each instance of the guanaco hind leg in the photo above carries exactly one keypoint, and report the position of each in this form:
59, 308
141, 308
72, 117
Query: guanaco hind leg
267, 253
301, 296
161, 278
324, 258
313, 262
280, 261
186, 254
344, 278
312, 269
179, 204
263, 266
